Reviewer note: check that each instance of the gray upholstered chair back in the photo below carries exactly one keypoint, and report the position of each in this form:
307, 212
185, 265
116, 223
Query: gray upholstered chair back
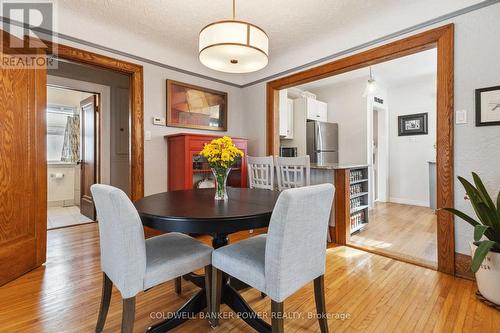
261, 172
296, 240
293, 172
123, 248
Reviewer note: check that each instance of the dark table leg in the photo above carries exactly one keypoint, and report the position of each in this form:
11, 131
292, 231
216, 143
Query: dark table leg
233, 299
189, 310
198, 303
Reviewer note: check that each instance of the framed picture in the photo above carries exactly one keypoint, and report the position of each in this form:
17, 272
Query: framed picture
196, 107
488, 106
412, 124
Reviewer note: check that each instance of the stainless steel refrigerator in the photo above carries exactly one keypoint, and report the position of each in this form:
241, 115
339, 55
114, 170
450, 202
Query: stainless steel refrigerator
322, 142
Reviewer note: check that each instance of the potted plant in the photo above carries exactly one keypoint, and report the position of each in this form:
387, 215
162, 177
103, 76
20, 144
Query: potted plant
486, 246
221, 154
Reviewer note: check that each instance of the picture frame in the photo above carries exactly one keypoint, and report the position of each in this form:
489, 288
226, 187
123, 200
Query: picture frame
413, 124
190, 106
488, 106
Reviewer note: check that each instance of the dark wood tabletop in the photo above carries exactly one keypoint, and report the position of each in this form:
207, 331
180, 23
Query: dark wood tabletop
196, 211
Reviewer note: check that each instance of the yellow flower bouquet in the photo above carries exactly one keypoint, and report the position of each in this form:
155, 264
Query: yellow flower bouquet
221, 154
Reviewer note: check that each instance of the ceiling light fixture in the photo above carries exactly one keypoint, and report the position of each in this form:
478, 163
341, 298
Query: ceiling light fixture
233, 46
371, 85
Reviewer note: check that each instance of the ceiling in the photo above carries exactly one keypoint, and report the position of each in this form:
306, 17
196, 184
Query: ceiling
299, 31
388, 73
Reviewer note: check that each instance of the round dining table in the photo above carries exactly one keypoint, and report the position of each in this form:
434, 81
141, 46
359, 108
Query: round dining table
197, 212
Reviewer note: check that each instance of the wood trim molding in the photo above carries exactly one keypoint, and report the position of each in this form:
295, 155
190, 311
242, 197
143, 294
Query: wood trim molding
440, 38
41, 165
135, 72
462, 266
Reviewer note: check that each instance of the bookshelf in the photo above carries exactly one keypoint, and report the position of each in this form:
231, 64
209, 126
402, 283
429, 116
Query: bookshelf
358, 199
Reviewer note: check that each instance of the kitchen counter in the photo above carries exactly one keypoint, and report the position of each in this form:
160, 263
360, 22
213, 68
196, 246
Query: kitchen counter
336, 166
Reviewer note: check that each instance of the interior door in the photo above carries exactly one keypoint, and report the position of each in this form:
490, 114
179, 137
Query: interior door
88, 174
23, 166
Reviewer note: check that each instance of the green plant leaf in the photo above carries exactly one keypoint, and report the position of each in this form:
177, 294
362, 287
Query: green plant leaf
471, 191
463, 216
489, 215
475, 199
479, 231
485, 196
480, 253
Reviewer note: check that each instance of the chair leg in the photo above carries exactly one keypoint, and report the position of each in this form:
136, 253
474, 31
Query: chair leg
128, 315
216, 295
107, 287
178, 285
319, 297
208, 288
277, 319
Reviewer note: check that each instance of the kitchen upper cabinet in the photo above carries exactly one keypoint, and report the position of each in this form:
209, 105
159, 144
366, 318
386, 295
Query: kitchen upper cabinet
286, 115
289, 119
316, 110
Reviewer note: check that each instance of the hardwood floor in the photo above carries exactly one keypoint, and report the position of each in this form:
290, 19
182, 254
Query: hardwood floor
403, 231
367, 293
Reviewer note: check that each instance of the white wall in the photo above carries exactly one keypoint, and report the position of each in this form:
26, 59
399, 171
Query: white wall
347, 107
408, 155
476, 66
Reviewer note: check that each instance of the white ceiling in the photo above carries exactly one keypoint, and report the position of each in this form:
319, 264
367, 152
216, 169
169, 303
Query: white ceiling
299, 30
388, 73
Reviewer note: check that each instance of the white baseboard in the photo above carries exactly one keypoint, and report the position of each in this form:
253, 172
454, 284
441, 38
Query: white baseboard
409, 202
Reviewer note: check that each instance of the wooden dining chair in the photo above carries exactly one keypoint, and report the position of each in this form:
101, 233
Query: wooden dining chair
292, 254
292, 172
133, 264
261, 172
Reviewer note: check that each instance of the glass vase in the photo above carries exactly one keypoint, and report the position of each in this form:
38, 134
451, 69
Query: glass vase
220, 175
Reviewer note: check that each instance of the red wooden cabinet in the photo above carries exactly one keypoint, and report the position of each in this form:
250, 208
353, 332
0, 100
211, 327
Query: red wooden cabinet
186, 167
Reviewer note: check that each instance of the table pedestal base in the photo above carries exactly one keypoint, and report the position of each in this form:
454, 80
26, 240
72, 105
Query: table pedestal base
198, 303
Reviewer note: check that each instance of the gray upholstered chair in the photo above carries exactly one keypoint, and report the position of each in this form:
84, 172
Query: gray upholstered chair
261, 172
134, 264
292, 172
292, 254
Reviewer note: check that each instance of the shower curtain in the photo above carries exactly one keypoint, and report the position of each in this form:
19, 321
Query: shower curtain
71, 144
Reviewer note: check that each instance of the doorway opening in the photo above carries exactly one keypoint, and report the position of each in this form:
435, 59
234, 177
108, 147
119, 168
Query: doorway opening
71, 138
358, 128
94, 146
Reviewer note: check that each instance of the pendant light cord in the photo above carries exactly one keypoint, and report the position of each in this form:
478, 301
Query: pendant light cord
234, 10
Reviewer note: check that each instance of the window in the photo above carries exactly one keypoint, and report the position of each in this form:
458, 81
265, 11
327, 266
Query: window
57, 120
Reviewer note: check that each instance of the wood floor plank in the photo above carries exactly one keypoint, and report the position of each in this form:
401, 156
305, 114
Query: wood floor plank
364, 293
403, 231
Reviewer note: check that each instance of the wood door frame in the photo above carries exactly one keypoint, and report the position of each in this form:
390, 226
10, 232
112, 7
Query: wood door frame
441, 38
135, 73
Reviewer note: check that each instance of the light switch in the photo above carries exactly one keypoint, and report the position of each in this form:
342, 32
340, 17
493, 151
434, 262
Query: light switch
147, 135
461, 117
159, 121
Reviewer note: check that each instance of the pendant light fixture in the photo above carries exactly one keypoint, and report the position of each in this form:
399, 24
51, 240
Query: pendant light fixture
371, 85
233, 46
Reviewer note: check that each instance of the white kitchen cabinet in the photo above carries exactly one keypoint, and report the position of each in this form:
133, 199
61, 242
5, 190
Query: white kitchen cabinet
283, 102
316, 110
286, 115
289, 119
